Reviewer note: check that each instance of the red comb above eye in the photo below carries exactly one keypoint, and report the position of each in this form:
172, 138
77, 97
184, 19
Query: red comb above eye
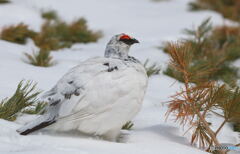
125, 37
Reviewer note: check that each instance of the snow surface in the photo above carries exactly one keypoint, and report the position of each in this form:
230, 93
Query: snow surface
150, 22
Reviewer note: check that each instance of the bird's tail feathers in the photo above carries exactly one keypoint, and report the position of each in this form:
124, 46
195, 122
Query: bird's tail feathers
37, 124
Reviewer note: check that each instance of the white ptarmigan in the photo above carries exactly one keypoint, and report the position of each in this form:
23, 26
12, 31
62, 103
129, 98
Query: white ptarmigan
98, 96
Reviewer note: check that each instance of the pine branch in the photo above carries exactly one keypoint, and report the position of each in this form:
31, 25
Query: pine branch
220, 127
216, 113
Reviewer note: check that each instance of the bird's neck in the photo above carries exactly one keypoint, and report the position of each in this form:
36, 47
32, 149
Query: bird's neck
119, 52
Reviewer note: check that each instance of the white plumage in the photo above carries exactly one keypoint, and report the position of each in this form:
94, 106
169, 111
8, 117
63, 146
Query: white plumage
98, 96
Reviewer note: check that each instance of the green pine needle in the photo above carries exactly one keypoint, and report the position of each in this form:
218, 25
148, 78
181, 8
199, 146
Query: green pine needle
128, 126
24, 96
151, 69
41, 58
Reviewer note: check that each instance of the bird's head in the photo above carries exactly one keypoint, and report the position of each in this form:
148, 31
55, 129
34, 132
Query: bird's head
119, 45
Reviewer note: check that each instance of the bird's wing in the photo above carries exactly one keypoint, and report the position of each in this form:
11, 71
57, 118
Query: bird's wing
118, 81
73, 83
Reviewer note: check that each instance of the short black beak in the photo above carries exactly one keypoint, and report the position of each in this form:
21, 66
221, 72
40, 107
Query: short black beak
130, 41
135, 40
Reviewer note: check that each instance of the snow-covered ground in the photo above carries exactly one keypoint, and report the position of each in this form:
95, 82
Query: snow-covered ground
150, 22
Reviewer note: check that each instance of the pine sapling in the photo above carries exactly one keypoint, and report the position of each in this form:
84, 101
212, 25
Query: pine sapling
194, 102
41, 58
24, 96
